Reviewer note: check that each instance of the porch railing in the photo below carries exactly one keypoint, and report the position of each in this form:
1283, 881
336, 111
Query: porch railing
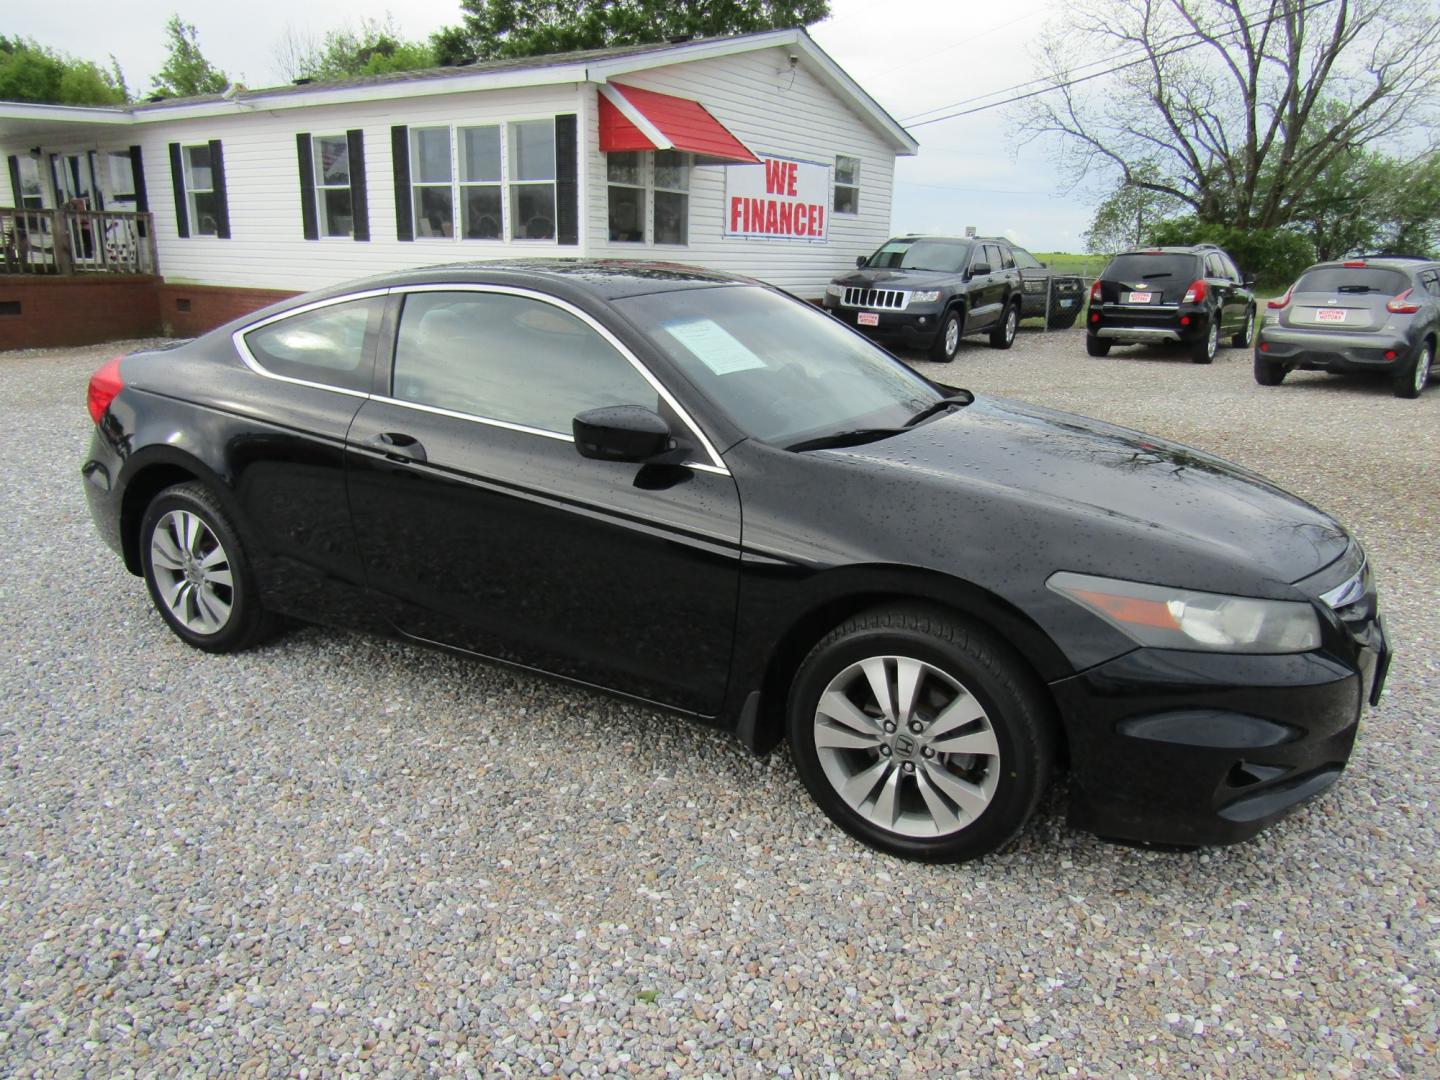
76, 242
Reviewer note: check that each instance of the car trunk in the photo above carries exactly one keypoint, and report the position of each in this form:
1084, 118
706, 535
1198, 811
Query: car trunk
1163, 277
1352, 299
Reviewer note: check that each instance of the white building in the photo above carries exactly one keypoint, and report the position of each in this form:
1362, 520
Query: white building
754, 154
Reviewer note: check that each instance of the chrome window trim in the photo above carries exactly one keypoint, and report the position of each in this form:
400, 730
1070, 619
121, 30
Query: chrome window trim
716, 464
238, 339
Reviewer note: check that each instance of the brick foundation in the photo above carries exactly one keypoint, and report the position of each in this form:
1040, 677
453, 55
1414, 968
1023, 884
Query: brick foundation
190, 310
38, 311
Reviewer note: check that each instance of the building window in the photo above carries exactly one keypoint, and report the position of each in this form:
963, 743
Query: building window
672, 197
625, 171
122, 178
200, 186
333, 203
480, 212
847, 185
432, 179
31, 195
532, 180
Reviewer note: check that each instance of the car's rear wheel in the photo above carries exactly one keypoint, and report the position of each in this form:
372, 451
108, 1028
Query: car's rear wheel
196, 569
920, 734
1097, 346
947, 341
1267, 372
1409, 383
1003, 336
1242, 339
1203, 350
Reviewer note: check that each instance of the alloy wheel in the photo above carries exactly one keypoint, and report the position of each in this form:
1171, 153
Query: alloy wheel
907, 746
192, 572
952, 335
1422, 368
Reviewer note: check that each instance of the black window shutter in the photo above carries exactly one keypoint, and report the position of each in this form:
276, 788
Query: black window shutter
177, 180
309, 220
18, 199
137, 169
567, 181
359, 204
400, 158
222, 202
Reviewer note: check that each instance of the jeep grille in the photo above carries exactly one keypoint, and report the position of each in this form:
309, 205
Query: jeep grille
893, 299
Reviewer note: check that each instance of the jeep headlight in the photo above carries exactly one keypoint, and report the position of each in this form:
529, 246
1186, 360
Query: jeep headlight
836, 291
927, 296
1167, 618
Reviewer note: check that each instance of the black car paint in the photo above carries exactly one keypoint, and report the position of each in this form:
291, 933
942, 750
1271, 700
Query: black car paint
739, 574
1228, 301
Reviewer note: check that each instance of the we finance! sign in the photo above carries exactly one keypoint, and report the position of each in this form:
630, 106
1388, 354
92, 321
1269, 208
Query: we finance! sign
778, 198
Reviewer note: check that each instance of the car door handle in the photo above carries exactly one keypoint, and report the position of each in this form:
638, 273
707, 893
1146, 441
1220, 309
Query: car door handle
397, 446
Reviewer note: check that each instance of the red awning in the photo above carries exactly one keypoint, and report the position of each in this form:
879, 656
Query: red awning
633, 119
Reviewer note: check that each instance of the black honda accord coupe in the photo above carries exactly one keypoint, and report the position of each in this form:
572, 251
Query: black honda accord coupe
699, 493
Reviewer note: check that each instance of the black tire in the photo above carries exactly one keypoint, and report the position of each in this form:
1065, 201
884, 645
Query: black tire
1014, 720
1410, 382
196, 591
1241, 340
946, 343
1097, 346
1003, 336
1267, 372
1203, 350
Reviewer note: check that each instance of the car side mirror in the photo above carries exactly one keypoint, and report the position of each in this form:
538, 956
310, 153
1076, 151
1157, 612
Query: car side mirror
620, 433
860, 261
977, 269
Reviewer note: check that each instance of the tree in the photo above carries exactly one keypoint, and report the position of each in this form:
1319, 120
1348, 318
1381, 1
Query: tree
32, 72
186, 72
1235, 110
375, 48
1126, 218
493, 29
1274, 256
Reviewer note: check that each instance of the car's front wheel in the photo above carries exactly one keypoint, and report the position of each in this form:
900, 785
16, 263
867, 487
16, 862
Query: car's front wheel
197, 572
920, 734
1408, 384
947, 341
1003, 336
1203, 350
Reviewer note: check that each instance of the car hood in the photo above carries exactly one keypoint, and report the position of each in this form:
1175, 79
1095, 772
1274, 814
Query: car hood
1130, 504
897, 279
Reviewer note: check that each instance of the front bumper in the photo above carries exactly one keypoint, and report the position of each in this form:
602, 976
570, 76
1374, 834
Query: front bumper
1325, 350
1190, 748
916, 326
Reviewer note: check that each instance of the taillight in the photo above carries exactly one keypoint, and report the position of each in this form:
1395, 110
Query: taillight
1402, 304
1354, 264
1095, 292
104, 385
1196, 292
1281, 301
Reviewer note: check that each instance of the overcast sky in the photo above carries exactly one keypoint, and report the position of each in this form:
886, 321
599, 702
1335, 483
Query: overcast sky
911, 55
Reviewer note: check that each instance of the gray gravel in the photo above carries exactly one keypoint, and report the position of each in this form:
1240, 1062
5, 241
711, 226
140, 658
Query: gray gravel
345, 856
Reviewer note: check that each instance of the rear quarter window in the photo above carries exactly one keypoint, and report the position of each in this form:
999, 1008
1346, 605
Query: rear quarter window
331, 345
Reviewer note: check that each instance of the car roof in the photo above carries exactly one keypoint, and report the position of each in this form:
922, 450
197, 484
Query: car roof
937, 236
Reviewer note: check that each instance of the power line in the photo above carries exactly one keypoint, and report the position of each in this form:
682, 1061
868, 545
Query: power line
1049, 87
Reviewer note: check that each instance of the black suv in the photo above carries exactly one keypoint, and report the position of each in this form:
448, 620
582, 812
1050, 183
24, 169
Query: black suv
1190, 295
928, 291
1067, 291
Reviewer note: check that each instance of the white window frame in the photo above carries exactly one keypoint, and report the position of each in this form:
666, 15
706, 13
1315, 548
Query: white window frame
464, 185
416, 184
192, 190
321, 187
642, 186
855, 187
513, 183
687, 168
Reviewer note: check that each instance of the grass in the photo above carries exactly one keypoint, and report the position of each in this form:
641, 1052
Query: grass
1085, 265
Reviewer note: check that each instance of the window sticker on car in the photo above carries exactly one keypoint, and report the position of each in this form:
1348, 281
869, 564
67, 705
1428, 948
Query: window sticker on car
714, 346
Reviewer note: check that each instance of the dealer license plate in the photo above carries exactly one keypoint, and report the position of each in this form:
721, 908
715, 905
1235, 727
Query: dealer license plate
1140, 298
868, 318
1330, 315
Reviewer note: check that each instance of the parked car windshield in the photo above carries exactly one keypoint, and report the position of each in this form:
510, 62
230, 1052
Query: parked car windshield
947, 256
1354, 279
1161, 266
783, 371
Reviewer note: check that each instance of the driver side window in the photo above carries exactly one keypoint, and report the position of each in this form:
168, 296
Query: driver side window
509, 358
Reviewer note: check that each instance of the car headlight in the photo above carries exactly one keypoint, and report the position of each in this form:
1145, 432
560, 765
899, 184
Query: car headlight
834, 290
928, 296
1168, 618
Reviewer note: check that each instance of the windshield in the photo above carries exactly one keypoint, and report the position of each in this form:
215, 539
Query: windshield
948, 256
1162, 266
782, 370
1353, 279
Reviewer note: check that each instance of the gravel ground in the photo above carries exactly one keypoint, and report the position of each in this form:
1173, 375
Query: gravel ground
343, 856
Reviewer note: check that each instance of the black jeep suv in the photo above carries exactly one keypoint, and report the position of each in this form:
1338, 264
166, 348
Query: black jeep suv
1189, 295
928, 291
